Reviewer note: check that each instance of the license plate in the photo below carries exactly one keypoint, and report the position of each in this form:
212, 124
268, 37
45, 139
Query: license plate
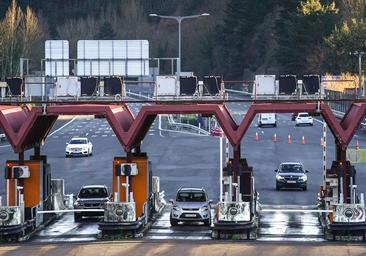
190, 215
291, 181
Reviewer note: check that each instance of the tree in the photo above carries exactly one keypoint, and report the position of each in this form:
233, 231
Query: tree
236, 35
106, 32
301, 37
344, 40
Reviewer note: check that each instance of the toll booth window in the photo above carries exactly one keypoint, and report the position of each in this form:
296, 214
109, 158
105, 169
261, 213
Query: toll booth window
291, 168
78, 142
191, 197
93, 193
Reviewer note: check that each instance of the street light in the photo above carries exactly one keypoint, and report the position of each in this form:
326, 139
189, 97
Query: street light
359, 54
179, 19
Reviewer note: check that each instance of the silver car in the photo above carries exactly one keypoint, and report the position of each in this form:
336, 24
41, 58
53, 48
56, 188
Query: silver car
191, 205
91, 197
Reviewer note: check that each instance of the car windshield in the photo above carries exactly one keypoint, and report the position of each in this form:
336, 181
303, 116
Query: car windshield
291, 168
303, 115
191, 197
78, 141
93, 193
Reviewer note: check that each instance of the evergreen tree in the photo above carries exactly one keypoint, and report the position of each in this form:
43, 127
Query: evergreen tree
236, 34
344, 40
106, 32
301, 37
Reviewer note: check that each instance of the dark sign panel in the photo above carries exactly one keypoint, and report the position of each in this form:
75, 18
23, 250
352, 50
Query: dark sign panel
88, 86
188, 85
211, 85
310, 84
15, 86
113, 85
287, 84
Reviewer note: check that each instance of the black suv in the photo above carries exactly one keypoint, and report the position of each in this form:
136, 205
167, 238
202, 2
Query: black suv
91, 197
291, 175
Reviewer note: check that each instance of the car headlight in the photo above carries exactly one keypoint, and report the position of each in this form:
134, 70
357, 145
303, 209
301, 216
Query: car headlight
68, 148
303, 178
204, 208
77, 203
279, 177
177, 209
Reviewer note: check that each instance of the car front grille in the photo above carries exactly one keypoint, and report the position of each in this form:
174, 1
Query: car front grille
291, 178
190, 209
92, 205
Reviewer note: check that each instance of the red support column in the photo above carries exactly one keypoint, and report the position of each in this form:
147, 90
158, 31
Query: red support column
341, 157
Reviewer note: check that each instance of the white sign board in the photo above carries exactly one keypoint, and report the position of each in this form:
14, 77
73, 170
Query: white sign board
68, 86
113, 58
166, 86
57, 58
265, 84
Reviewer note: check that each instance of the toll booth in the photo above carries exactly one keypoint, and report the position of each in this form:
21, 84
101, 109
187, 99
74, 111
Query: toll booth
342, 217
238, 211
27, 190
131, 190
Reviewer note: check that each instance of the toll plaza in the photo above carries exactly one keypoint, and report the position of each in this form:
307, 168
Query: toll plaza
135, 196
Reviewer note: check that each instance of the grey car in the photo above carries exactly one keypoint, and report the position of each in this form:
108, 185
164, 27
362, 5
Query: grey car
191, 205
291, 175
91, 197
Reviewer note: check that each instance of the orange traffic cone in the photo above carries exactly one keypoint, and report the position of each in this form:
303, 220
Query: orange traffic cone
321, 142
303, 140
357, 145
256, 136
289, 139
274, 137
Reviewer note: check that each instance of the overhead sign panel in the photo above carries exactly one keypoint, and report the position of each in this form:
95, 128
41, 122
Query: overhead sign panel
113, 58
57, 58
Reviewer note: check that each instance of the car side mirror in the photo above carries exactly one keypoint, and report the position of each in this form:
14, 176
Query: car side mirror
210, 201
275, 170
171, 201
306, 171
67, 143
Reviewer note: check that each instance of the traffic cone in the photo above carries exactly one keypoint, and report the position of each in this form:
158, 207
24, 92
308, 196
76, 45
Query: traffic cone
321, 142
256, 136
357, 145
303, 140
289, 139
274, 137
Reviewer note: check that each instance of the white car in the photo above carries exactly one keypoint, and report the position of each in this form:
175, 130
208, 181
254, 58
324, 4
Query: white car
304, 118
267, 119
79, 147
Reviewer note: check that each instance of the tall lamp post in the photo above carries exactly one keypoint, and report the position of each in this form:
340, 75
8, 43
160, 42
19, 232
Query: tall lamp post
179, 19
359, 54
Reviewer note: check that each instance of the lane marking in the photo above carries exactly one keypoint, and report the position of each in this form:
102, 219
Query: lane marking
59, 129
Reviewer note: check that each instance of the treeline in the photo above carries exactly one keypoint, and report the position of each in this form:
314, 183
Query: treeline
240, 38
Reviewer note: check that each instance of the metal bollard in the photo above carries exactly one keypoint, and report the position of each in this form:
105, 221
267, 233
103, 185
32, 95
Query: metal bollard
1, 201
116, 197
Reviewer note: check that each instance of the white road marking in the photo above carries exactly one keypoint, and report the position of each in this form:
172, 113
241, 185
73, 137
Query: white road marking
104, 135
59, 129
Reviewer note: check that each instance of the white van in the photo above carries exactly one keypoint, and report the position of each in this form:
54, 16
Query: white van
267, 119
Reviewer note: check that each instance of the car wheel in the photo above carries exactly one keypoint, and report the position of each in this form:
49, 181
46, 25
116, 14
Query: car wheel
77, 217
91, 152
173, 222
305, 188
66, 155
275, 125
277, 187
